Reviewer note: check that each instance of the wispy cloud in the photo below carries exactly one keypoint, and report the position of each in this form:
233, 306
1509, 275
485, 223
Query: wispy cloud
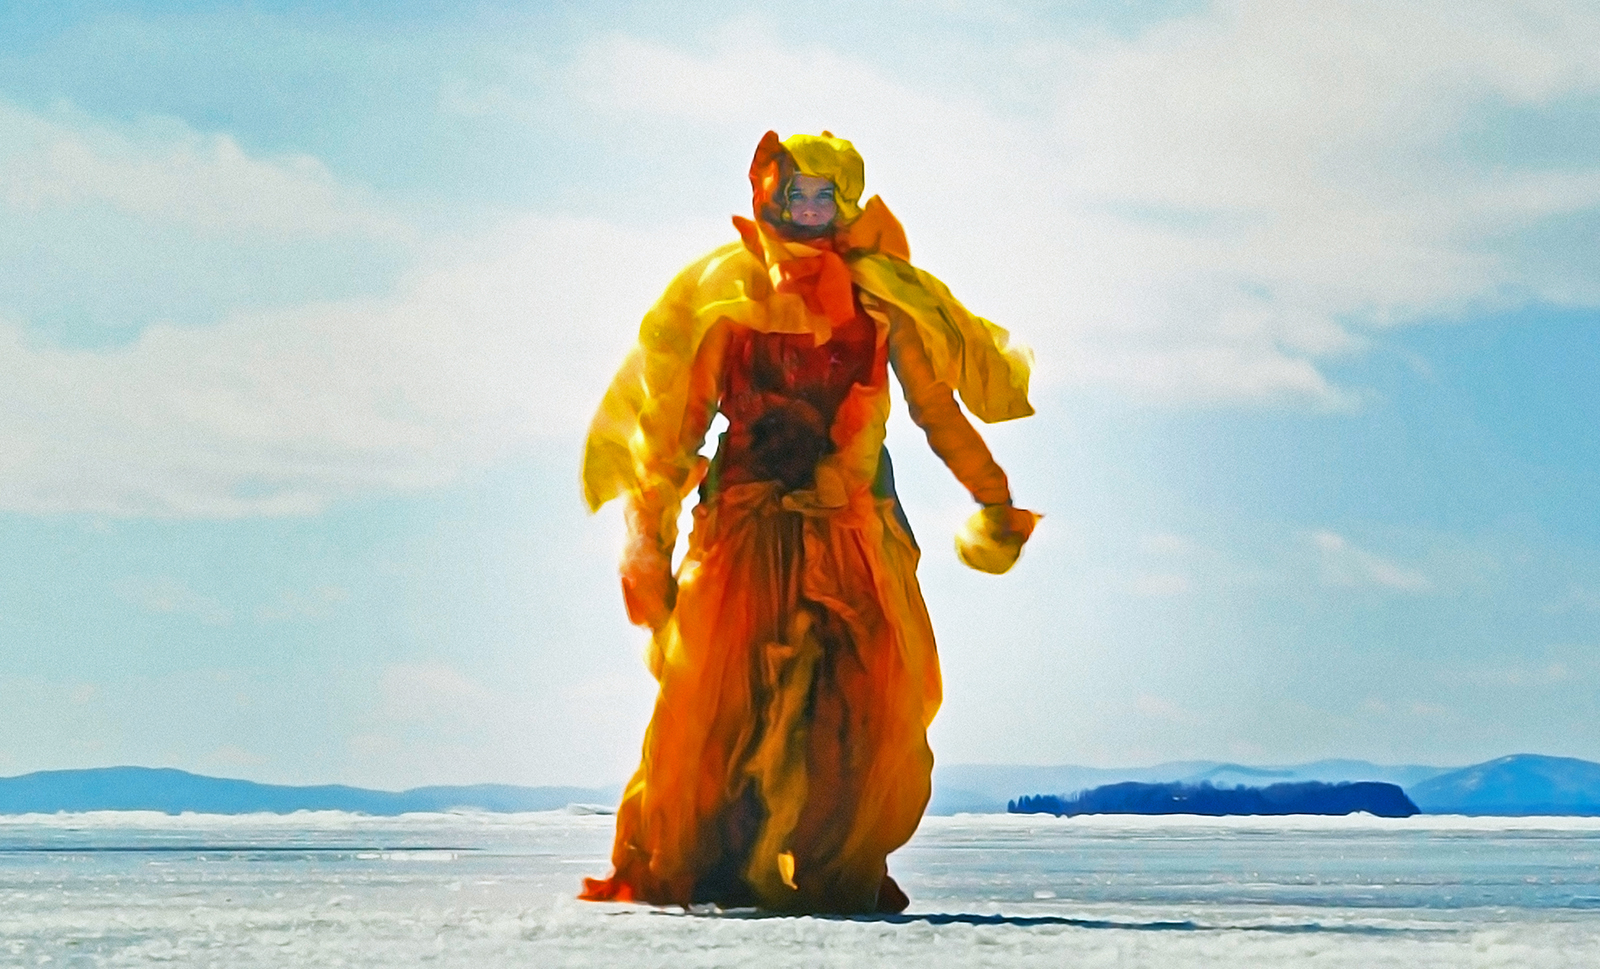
1407, 709
232, 757
293, 604
1166, 544
1578, 597
1165, 711
433, 692
164, 594
1160, 585
1345, 564
1431, 711
490, 346
1080, 282
114, 225
168, 173
1210, 210
1529, 674
472, 728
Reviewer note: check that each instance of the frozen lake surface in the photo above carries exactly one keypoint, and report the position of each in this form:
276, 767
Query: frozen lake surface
491, 890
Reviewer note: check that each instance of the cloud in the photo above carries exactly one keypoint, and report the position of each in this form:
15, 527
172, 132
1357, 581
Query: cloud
1210, 210
424, 692
166, 595
492, 344
1171, 565
113, 226
1292, 179
1578, 597
166, 172
293, 604
434, 723
1165, 711
1432, 711
1516, 675
1418, 709
1166, 544
1160, 585
1343, 564
232, 757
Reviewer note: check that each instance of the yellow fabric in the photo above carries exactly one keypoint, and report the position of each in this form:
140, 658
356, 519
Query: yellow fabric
934, 409
631, 437
877, 231
794, 655
967, 353
992, 539
835, 159
707, 713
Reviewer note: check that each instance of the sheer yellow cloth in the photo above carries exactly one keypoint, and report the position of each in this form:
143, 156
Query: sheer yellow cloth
787, 754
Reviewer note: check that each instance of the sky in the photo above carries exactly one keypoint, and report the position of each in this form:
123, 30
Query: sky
304, 308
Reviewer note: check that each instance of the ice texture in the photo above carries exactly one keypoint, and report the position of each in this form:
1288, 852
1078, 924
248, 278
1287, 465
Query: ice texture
491, 890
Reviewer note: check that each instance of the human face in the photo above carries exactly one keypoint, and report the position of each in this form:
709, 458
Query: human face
811, 202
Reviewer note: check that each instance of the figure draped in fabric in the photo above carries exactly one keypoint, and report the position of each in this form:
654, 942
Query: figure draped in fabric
788, 754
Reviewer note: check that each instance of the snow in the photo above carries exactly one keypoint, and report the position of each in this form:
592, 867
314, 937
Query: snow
492, 890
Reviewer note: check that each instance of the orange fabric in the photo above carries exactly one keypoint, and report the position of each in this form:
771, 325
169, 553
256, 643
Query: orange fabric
777, 608
822, 281
878, 231
787, 753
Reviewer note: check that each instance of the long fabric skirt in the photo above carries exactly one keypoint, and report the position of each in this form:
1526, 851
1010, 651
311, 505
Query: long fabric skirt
787, 755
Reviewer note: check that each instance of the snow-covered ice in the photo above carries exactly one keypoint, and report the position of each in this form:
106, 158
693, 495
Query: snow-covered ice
490, 890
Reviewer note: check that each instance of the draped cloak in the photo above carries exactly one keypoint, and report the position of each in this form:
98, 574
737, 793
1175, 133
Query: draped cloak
787, 753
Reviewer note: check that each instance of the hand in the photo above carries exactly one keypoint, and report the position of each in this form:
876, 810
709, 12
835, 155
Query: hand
993, 537
648, 590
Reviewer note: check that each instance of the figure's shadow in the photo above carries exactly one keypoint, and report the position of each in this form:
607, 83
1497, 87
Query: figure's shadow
1034, 921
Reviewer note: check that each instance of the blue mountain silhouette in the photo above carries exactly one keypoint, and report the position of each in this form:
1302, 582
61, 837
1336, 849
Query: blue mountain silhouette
985, 788
174, 792
1521, 784
1295, 797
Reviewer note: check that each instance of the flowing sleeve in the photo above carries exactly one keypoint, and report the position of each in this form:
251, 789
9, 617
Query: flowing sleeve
969, 354
933, 408
644, 441
992, 539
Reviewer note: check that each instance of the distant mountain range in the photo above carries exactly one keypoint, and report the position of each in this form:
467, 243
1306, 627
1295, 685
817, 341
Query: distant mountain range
1378, 798
1521, 784
985, 789
174, 792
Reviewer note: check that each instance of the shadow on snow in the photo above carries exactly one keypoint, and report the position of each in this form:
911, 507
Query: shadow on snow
1033, 921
